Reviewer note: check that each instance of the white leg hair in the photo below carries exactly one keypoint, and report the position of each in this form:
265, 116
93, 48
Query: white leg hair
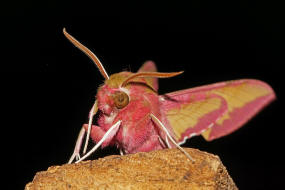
161, 141
76, 151
93, 111
160, 124
121, 152
101, 141
166, 139
164, 142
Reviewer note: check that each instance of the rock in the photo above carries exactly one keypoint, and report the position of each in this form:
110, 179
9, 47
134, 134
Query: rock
163, 169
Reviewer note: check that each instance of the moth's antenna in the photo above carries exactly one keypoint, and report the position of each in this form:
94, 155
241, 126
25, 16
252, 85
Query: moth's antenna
89, 53
150, 74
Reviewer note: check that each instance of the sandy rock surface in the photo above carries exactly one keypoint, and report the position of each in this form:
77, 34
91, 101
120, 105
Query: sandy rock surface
163, 169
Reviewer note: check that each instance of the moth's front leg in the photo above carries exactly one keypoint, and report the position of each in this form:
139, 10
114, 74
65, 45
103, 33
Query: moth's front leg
92, 112
76, 152
96, 134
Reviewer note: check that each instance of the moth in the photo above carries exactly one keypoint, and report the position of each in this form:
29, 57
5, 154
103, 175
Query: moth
135, 118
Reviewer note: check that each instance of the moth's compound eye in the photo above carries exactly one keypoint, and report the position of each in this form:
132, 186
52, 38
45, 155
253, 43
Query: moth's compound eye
121, 99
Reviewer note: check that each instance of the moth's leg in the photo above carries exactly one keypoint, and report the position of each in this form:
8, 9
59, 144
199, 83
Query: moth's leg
121, 152
76, 152
165, 142
95, 132
110, 133
166, 139
162, 142
160, 124
92, 112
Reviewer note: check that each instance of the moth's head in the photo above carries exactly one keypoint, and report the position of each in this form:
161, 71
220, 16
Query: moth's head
112, 95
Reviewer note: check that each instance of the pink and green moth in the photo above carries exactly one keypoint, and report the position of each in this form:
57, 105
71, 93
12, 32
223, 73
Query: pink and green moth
135, 118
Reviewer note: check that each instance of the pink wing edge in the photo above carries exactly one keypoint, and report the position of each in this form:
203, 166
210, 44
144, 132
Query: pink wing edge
209, 120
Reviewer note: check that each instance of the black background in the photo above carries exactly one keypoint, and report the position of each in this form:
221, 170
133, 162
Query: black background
48, 86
